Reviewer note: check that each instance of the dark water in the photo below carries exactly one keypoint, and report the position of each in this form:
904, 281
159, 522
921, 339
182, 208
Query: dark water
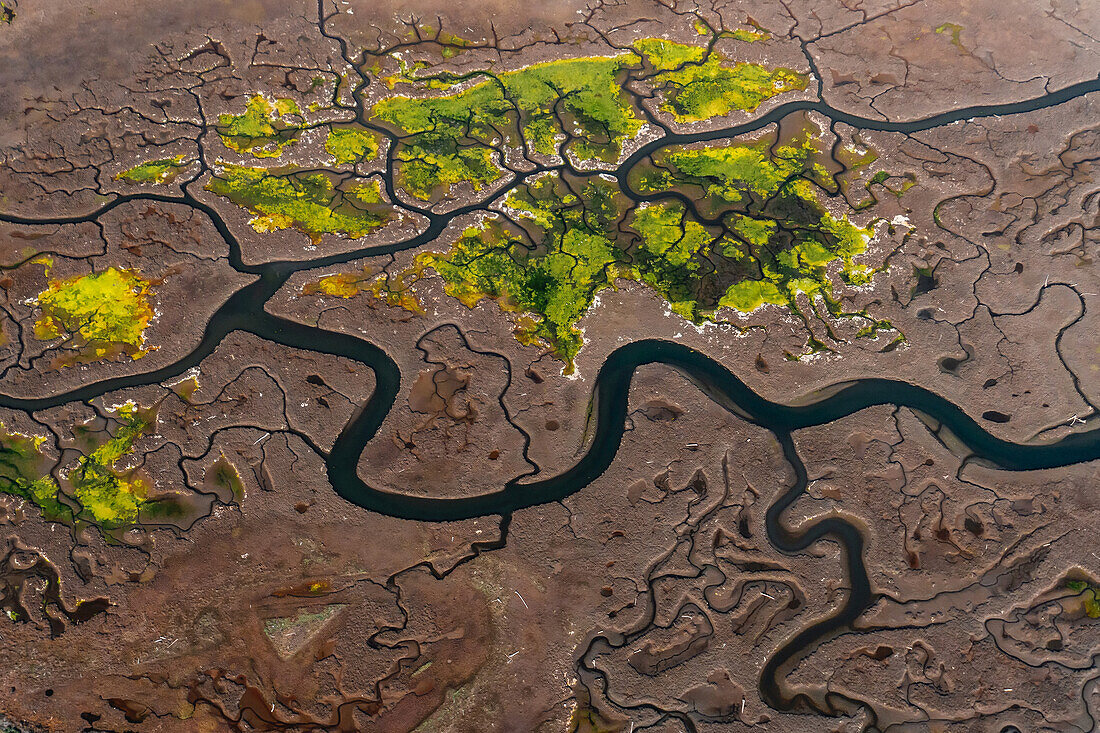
244, 311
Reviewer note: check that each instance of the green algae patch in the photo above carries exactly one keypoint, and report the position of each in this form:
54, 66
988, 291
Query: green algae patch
103, 314
767, 240
673, 251
956, 31
349, 145
106, 493
665, 55
264, 129
1089, 595
698, 88
779, 229
308, 201
552, 290
110, 495
160, 171
748, 36
223, 479
438, 164
341, 284
549, 286
453, 138
24, 472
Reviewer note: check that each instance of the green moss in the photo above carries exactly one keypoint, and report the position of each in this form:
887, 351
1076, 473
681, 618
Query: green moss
778, 242
306, 201
264, 129
436, 163
24, 472
341, 284
550, 286
908, 180
102, 314
665, 55
714, 87
160, 171
748, 36
109, 496
450, 139
349, 145
671, 255
782, 240
731, 172
1089, 594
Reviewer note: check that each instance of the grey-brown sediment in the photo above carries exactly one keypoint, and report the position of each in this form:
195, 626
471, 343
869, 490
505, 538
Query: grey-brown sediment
244, 311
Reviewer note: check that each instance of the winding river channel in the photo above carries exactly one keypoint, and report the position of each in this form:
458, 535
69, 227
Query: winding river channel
245, 311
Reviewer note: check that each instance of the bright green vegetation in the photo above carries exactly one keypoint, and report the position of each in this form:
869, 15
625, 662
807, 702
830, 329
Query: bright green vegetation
106, 494
24, 472
160, 171
448, 139
700, 86
778, 228
1090, 594
551, 284
576, 103
665, 55
672, 256
103, 314
307, 201
349, 145
263, 129
341, 284
749, 36
111, 496
772, 241
7, 13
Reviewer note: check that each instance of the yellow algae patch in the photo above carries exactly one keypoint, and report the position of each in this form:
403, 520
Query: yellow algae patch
110, 496
103, 314
264, 129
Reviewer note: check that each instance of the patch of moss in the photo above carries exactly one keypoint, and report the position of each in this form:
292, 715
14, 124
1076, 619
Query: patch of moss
349, 145
674, 249
436, 163
1089, 594
700, 89
108, 496
264, 129
102, 314
24, 472
341, 284
665, 55
956, 31
549, 286
748, 36
776, 243
160, 171
451, 138
308, 201
111, 496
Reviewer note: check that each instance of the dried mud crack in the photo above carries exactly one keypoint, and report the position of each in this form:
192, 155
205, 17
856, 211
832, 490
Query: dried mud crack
795, 520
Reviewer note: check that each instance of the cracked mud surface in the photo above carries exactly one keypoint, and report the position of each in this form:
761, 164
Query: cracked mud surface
588, 367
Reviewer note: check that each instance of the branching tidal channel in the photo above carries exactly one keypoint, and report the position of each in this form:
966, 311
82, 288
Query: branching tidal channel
244, 311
